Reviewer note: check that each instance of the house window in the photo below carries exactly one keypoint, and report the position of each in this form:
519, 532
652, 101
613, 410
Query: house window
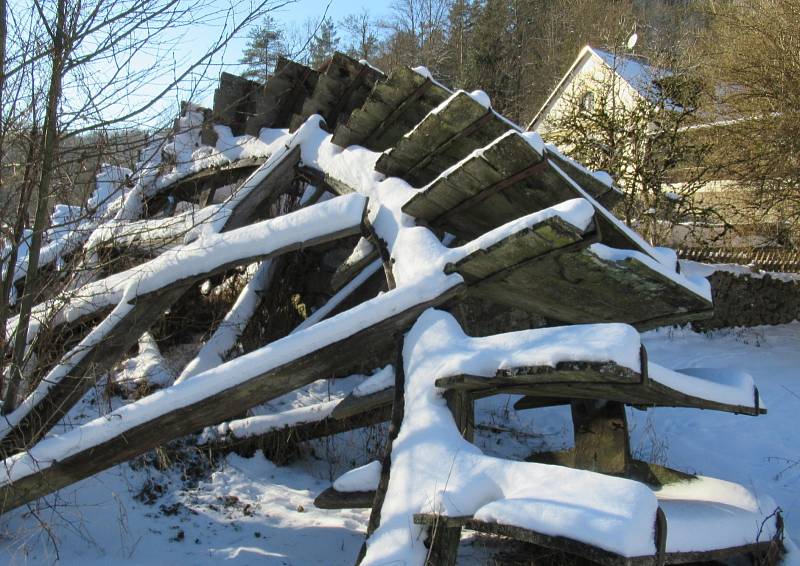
587, 102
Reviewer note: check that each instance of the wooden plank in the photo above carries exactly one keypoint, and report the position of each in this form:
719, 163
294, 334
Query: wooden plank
160, 427
191, 187
651, 394
563, 373
392, 109
515, 252
343, 86
281, 96
353, 405
509, 179
606, 195
256, 204
351, 267
562, 544
277, 444
332, 499
548, 385
598, 555
441, 140
59, 398
324, 180
577, 286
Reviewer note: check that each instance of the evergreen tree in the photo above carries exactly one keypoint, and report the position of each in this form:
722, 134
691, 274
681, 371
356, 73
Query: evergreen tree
265, 44
324, 43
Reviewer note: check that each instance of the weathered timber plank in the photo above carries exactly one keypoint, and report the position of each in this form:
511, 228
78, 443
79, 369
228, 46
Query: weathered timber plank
160, 427
516, 251
577, 286
351, 267
599, 555
255, 204
281, 96
606, 195
332, 499
191, 187
562, 373
275, 442
563, 544
353, 405
392, 109
508, 179
58, 399
649, 394
324, 180
343, 86
62, 395
441, 140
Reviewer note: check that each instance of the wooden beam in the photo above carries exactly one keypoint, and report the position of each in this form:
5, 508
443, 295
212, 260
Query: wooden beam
159, 427
191, 187
342, 86
353, 405
562, 544
254, 206
332, 499
441, 140
390, 111
56, 400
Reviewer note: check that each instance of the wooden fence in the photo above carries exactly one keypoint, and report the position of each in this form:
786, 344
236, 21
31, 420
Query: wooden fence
767, 259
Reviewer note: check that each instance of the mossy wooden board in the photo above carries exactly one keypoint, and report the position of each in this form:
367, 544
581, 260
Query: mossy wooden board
577, 286
500, 184
441, 140
391, 110
510, 254
282, 96
343, 86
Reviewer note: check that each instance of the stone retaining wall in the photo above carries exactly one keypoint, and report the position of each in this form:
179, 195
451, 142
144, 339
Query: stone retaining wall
740, 300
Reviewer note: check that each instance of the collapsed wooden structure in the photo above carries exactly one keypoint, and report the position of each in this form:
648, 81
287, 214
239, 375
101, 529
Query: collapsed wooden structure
495, 192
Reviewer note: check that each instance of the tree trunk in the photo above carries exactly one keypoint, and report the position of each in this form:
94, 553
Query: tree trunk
48, 154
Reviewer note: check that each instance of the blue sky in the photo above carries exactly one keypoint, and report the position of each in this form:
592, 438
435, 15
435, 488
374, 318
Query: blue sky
192, 43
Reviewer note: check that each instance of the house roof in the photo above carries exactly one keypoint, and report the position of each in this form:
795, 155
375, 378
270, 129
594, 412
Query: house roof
632, 69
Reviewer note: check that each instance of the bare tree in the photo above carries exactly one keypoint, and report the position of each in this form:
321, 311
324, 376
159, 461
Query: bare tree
71, 73
753, 57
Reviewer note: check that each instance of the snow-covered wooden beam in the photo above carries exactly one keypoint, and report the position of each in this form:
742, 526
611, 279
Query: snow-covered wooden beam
441, 524
190, 187
730, 391
392, 109
449, 133
329, 348
552, 270
510, 177
145, 292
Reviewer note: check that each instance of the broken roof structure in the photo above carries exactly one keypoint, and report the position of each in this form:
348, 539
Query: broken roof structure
379, 207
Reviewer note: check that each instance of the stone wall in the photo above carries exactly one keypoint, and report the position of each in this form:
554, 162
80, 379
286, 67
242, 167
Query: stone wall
741, 300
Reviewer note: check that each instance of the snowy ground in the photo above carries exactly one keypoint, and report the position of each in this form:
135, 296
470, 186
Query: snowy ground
250, 511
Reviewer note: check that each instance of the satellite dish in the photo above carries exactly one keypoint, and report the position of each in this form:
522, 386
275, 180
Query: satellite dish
632, 40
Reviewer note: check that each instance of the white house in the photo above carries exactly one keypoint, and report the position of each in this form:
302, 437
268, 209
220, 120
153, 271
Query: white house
631, 77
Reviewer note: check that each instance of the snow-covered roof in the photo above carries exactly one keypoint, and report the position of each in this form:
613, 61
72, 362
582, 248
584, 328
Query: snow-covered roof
634, 70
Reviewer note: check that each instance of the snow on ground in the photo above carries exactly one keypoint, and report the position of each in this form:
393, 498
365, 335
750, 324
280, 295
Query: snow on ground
246, 512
